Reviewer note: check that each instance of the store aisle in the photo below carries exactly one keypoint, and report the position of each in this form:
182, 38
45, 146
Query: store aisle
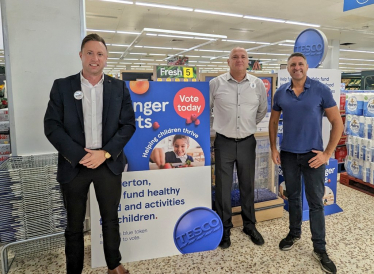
350, 243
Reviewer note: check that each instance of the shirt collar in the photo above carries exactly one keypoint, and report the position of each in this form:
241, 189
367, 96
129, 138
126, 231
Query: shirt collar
85, 82
306, 85
228, 77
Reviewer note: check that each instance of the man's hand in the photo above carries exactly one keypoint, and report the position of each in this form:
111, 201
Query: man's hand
275, 156
318, 160
93, 159
158, 156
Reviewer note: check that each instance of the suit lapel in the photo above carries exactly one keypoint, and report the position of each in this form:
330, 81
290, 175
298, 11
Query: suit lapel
75, 86
107, 93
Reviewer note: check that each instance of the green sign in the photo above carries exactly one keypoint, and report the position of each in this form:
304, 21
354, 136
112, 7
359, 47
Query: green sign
175, 72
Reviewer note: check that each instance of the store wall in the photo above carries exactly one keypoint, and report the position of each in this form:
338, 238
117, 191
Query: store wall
41, 43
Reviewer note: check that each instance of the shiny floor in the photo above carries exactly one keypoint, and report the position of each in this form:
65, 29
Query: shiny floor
350, 244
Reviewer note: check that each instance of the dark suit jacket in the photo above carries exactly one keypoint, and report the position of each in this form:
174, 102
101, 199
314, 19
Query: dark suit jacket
64, 128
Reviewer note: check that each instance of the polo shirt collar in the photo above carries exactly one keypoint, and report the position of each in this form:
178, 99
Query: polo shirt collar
228, 77
306, 85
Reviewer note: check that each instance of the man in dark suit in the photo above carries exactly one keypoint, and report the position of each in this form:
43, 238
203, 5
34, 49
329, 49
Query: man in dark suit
89, 120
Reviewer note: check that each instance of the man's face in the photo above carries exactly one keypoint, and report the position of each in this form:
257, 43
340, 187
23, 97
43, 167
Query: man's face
238, 61
297, 68
94, 56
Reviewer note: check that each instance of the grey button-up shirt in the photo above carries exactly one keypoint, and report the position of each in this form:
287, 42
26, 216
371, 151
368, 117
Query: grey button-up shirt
237, 106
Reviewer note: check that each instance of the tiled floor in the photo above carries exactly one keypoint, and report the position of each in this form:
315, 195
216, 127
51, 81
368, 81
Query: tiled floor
350, 243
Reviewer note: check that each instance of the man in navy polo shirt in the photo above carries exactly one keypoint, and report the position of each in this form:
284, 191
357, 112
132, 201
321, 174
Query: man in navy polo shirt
303, 102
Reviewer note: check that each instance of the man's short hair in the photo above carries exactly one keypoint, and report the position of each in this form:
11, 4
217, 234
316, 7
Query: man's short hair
92, 37
296, 54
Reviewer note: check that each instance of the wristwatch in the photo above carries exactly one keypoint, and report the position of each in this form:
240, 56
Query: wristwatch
107, 155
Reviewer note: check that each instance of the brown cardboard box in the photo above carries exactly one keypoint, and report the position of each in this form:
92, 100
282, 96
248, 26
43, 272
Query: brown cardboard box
261, 215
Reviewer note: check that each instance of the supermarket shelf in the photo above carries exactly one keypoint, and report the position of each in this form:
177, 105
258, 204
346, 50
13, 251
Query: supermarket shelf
357, 184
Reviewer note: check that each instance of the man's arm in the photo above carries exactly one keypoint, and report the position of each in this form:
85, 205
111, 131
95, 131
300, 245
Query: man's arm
273, 131
126, 127
335, 119
55, 132
263, 107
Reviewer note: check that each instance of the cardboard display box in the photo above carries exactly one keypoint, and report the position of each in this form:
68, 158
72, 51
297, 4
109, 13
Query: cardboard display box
264, 211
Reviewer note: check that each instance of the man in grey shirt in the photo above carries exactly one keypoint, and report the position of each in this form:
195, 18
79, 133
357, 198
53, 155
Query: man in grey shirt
239, 103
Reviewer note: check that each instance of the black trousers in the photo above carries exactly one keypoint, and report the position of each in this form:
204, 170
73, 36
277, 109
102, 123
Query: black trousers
108, 194
227, 152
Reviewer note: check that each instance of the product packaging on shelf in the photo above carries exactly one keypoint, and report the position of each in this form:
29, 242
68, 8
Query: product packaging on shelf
368, 108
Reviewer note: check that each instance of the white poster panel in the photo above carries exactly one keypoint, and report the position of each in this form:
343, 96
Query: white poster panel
151, 204
329, 77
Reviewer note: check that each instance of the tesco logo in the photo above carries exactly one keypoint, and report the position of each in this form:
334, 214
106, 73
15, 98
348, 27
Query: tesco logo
197, 233
311, 49
198, 229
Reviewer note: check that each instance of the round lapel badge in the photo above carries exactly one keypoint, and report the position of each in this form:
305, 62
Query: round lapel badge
78, 95
253, 85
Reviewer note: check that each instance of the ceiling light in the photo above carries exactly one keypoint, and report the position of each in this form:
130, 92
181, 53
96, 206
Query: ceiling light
179, 49
119, 1
302, 24
141, 53
118, 45
203, 38
138, 46
163, 6
128, 32
356, 59
263, 43
192, 61
151, 34
264, 19
139, 63
149, 47
184, 33
210, 50
162, 54
175, 36
219, 13
286, 45
240, 41
100, 30
362, 51
194, 56
129, 59
115, 52
146, 59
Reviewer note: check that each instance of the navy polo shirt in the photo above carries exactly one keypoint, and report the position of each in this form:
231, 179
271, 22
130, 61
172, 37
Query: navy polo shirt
302, 116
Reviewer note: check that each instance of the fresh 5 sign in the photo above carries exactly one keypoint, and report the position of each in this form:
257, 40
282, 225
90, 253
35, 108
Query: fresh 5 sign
176, 73
354, 4
313, 44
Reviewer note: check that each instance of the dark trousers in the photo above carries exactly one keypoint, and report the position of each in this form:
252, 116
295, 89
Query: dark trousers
227, 152
108, 194
293, 165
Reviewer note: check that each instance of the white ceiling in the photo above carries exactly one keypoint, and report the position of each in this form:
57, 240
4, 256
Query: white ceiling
355, 26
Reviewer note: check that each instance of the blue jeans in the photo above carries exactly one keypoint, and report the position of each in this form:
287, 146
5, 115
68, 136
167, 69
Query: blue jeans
293, 166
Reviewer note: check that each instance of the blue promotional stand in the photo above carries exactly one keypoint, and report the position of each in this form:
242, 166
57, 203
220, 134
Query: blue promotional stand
329, 198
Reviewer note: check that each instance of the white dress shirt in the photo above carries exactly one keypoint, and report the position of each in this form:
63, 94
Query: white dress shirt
92, 112
237, 106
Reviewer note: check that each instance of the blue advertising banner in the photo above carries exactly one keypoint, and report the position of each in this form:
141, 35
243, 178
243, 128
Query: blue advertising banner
164, 203
165, 111
354, 4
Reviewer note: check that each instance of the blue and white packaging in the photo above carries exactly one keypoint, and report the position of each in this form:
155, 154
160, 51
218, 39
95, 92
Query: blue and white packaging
366, 172
354, 103
362, 126
368, 108
347, 164
372, 173
353, 125
368, 127
362, 144
356, 147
